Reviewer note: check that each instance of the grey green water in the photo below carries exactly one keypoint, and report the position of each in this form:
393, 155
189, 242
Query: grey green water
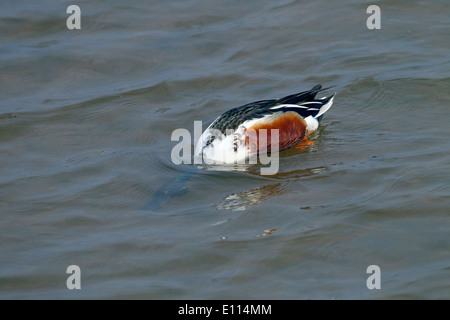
86, 178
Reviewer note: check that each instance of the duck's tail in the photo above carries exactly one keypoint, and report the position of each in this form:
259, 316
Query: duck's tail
305, 96
326, 104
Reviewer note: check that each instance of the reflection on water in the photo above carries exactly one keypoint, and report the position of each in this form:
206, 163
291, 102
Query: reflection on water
243, 200
267, 232
179, 186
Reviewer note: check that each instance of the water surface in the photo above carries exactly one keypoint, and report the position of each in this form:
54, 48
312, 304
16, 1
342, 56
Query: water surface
86, 118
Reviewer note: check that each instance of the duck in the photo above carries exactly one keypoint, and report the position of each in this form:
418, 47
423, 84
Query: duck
238, 134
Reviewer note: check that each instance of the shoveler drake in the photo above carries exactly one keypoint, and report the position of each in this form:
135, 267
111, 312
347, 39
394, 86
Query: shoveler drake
228, 139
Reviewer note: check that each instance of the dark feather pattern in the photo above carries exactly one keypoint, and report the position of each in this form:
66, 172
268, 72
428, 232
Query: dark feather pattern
232, 118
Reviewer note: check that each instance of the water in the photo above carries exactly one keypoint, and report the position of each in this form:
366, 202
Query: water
86, 118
